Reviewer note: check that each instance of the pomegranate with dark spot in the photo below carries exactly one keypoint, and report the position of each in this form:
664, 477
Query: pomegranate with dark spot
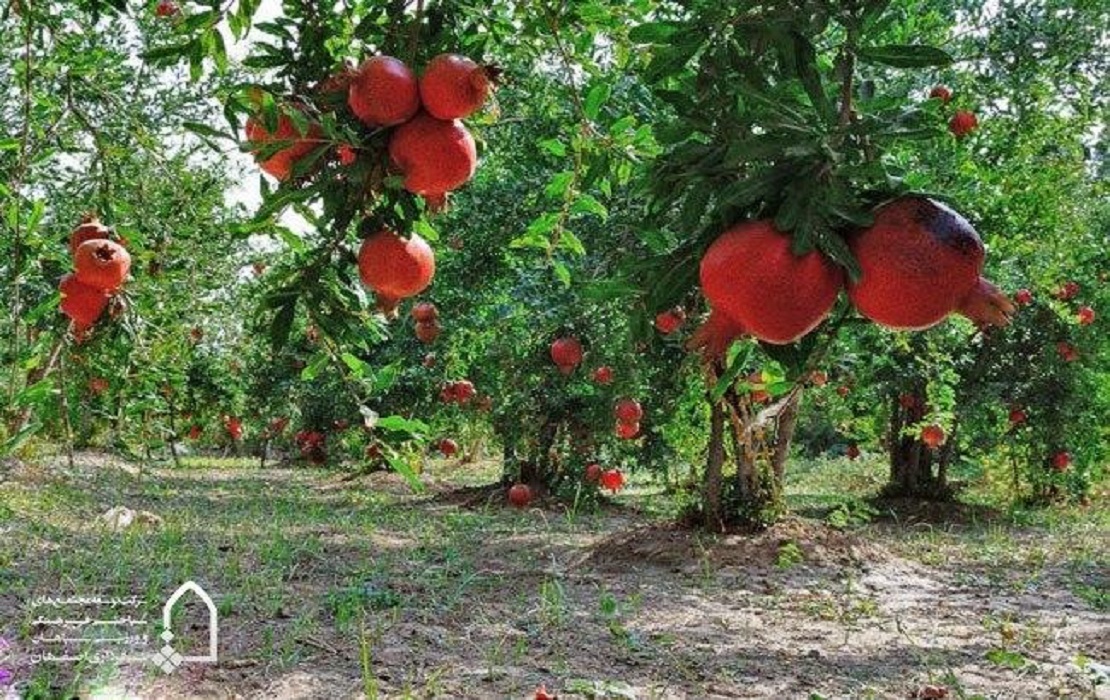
920, 261
751, 275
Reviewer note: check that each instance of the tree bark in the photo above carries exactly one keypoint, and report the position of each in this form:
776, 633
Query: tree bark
711, 494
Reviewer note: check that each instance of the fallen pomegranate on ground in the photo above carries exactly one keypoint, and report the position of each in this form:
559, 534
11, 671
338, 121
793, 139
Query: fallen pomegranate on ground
566, 353
612, 479
448, 447
919, 262
520, 495
750, 275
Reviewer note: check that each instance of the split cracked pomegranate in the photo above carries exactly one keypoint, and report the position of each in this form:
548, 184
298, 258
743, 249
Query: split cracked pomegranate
102, 264
395, 268
919, 262
280, 164
89, 229
454, 87
566, 353
383, 92
750, 275
435, 156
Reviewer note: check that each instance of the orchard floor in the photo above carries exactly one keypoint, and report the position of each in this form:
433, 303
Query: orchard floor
333, 588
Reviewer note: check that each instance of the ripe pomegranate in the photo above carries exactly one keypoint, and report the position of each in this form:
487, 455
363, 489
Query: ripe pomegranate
933, 436
670, 320
920, 261
454, 87
566, 353
819, 378
628, 411
907, 401
750, 275
102, 264
1067, 351
852, 451
1061, 461
593, 473
195, 432
460, 391
1069, 290
448, 447
424, 311
843, 390
612, 479
962, 123
942, 93
603, 374
435, 156
520, 496
81, 302
280, 165
89, 229
1023, 297
1086, 316
1017, 416
427, 331
628, 430
395, 268
234, 427
166, 8
383, 92
347, 154
98, 385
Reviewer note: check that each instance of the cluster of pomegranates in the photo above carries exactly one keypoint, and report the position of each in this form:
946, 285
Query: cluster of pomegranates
963, 121
1084, 315
920, 261
628, 414
100, 268
612, 479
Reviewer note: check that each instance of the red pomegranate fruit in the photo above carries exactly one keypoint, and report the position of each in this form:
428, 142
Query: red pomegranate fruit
427, 331
603, 375
448, 447
627, 431
102, 264
280, 164
98, 385
566, 353
520, 496
1067, 351
383, 92
435, 156
195, 431
933, 436
907, 401
852, 451
89, 229
750, 275
1023, 297
920, 261
81, 302
843, 390
715, 335
1069, 290
628, 411
1085, 316
347, 154
1017, 416
942, 93
1061, 461
593, 473
166, 8
963, 123
454, 87
612, 479
395, 268
669, 321
424, 311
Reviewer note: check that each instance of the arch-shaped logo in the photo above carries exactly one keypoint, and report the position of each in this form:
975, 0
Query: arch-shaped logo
167, 658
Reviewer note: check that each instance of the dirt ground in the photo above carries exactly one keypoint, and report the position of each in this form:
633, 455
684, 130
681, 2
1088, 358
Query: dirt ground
334, 588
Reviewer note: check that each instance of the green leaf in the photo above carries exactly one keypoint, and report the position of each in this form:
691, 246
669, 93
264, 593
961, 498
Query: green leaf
404, 469
559, 184
553, 146
595, 98
358, 367
739, 361
905, 55
313, 369
562, 272
653, 32
588, 204
400, 424
283, 322
205, 130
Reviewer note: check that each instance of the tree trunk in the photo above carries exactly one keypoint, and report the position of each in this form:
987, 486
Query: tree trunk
784, 435
711, 486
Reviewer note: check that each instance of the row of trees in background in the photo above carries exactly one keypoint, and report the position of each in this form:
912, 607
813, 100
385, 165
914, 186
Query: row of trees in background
623, 139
